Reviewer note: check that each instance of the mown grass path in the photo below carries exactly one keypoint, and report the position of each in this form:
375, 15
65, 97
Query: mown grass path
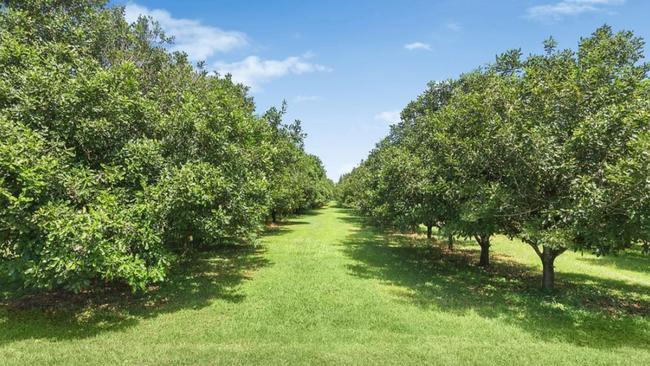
324, 289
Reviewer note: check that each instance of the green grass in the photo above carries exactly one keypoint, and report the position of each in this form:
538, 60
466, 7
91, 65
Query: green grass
325, 289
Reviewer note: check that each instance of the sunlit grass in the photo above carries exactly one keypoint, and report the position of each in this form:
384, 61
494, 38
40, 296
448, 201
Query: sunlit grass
325, 289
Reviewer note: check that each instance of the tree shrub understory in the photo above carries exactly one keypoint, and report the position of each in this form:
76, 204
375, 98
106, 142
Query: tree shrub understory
116, 155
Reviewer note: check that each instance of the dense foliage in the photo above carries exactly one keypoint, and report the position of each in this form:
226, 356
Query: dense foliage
117, 155
551, 148
298, 180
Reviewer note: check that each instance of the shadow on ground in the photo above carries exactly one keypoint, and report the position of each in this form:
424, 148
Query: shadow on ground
208, 277
631, 261
212, 275
585, 310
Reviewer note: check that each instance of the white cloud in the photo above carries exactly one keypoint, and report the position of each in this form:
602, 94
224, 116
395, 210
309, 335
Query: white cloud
454, 27
417, 46
561, 9
202, 42
388, 116
254, 71
306, 98
198, 40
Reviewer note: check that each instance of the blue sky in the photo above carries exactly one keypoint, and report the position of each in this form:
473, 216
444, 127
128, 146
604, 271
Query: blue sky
346, 68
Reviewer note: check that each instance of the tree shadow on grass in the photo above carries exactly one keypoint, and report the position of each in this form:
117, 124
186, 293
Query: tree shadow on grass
310, 212
214, 275
272, 228
292, 223
631, 261
351, 216
585, 310
282, 227
276, 230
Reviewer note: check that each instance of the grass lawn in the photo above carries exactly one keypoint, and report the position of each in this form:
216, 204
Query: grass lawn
325, 289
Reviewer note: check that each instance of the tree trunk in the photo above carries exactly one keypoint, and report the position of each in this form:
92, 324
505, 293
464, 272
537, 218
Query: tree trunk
548, 277
429, 231
484, 242
450, 242
547, 255
273, 216
485, 256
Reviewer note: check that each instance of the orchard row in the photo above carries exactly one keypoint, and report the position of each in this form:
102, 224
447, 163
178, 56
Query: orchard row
118, 156
552, 148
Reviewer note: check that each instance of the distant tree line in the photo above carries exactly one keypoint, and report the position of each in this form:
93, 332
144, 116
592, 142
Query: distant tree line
117, 156
553, 149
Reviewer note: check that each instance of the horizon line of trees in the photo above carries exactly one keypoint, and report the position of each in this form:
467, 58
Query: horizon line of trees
118, 156
553, 149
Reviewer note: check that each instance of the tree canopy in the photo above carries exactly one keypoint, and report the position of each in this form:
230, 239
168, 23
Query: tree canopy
117, 156
550, 148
